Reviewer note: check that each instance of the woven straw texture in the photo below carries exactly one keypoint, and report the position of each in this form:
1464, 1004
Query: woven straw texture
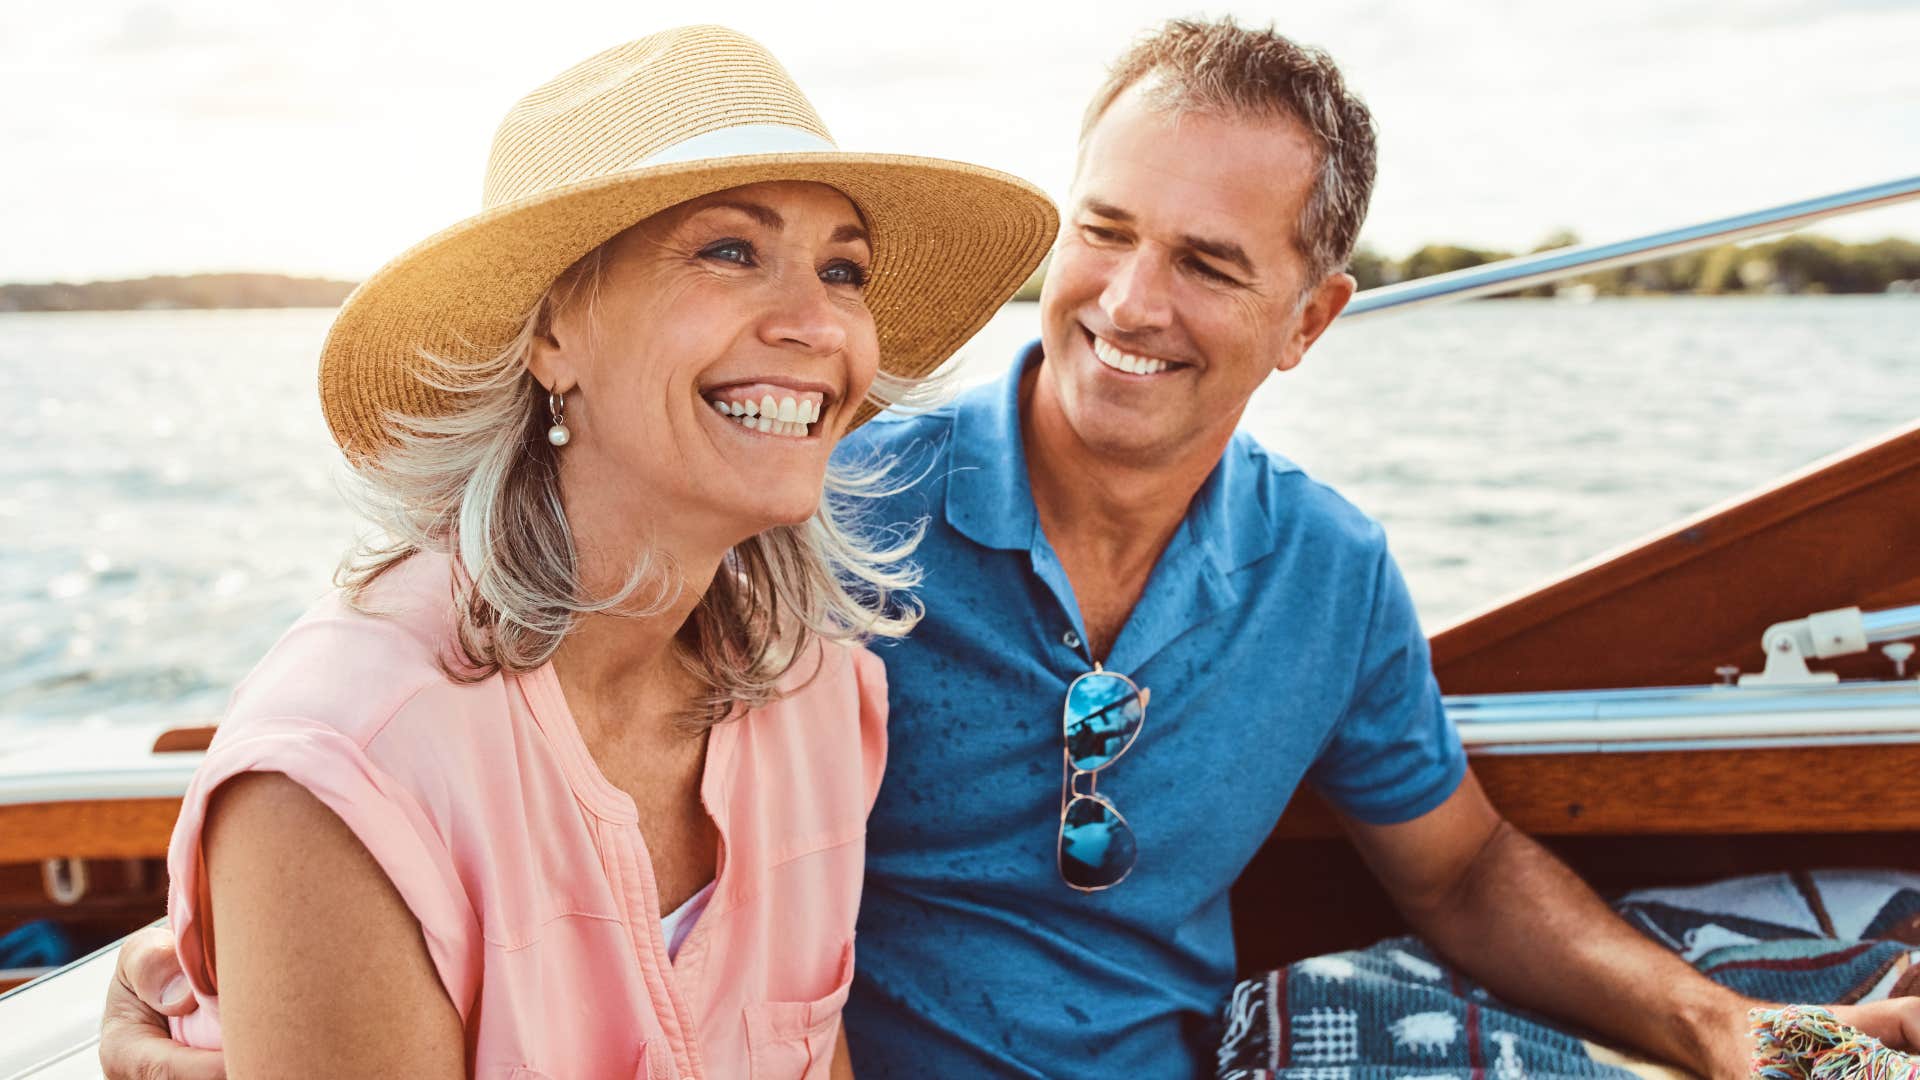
951, 242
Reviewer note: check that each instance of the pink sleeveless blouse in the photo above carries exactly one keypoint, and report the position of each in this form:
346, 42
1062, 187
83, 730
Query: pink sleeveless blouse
526, 867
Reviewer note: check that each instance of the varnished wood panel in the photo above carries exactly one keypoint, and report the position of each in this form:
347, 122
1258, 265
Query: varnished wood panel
1667, 611
97, 829
1808, 789
196, 737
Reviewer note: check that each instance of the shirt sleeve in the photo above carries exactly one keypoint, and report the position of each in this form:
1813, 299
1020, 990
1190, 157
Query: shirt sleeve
1394, 754
383, 815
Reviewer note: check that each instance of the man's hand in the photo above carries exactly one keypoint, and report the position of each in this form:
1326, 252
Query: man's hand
148, 987
1895, 1021
1508, 913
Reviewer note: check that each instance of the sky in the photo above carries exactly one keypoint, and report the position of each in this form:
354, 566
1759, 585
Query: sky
201, 136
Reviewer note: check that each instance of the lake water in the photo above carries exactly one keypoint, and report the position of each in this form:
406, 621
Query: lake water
168, 500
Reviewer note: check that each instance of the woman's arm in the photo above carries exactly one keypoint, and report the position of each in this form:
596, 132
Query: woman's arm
322, 969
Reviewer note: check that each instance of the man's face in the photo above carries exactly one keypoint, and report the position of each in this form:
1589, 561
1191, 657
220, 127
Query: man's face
1177, 285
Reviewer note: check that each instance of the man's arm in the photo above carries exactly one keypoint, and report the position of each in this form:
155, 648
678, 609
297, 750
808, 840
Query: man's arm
1513, 916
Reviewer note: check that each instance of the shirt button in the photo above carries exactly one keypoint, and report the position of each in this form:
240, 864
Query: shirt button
1070, 639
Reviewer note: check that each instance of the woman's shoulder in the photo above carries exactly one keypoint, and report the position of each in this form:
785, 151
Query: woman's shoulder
839, 678
355, 663
831, 721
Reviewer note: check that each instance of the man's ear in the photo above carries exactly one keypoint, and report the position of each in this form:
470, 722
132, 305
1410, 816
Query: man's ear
1320, 308
553, 364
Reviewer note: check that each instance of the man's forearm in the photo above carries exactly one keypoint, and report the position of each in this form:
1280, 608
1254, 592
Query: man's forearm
1525, 925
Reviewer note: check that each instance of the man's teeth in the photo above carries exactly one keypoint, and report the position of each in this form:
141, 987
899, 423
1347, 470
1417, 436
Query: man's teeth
1125, 361
787, 416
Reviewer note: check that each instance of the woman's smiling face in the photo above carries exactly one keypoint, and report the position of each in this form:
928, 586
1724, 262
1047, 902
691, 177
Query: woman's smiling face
715, 362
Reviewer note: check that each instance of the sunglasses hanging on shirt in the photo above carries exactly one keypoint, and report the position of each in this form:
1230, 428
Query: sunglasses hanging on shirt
1103, 715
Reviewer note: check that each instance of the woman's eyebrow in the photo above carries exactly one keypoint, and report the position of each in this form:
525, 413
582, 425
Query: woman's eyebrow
769, 217
764, 215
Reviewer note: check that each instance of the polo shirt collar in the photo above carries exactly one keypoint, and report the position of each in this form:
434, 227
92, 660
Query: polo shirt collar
990, 501
1236, 514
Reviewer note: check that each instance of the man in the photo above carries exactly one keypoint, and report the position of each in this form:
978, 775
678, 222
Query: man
1095, 510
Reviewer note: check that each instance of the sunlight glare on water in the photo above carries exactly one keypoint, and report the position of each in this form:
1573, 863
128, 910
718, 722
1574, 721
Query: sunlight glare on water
168, 499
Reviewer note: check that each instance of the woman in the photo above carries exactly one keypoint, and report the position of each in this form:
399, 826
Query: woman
571, 778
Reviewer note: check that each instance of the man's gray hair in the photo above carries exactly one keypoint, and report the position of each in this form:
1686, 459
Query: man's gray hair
1220, 67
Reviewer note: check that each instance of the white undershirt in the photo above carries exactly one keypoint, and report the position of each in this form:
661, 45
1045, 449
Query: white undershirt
677, 926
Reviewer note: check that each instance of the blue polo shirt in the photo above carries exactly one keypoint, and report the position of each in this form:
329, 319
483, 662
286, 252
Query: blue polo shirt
1281, 648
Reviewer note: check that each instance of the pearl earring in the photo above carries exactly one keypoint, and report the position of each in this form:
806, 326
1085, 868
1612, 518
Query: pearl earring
558, 434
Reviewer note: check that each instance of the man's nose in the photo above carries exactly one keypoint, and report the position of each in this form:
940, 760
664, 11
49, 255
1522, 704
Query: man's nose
1138, 296
802, 314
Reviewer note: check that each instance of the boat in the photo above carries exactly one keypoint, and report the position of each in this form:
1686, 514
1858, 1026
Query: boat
1732, 695
1638, 713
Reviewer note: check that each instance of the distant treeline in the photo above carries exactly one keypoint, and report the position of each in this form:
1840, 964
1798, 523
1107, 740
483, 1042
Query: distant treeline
1793, 264
192, 291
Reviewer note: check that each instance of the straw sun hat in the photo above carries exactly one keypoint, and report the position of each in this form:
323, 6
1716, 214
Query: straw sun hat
633, 131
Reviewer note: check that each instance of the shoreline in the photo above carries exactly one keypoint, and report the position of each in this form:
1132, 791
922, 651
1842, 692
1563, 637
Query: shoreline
1568, 301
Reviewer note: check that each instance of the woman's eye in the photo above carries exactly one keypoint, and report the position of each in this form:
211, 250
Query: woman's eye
844, 272
733, 251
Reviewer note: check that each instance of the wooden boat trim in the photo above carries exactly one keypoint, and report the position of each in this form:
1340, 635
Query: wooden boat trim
1830, 789
1597, 615
87, 829
185, 739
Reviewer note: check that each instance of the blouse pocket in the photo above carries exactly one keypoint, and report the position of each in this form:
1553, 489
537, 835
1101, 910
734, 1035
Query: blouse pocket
792, 1040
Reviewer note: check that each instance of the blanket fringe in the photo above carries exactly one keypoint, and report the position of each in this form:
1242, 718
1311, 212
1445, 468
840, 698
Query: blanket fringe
1806, 1042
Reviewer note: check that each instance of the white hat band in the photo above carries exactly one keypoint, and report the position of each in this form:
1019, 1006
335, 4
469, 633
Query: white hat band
741, 141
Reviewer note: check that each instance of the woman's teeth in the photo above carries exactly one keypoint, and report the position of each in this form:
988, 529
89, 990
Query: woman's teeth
1125, 361
793, 417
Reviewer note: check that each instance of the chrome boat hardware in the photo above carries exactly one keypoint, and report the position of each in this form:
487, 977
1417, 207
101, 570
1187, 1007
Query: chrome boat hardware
1550, 266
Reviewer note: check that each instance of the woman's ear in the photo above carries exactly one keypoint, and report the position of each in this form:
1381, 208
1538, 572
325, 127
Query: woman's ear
553, 365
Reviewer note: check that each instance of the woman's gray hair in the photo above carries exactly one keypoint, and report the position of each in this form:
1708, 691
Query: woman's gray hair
483, 484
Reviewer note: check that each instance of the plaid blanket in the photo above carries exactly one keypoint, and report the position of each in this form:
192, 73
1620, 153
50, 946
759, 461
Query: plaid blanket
1396, 1011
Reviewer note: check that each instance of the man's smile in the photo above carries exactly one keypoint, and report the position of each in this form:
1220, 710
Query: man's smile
1113, 356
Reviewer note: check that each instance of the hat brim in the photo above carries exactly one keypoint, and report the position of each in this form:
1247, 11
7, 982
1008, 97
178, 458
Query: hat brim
951, 243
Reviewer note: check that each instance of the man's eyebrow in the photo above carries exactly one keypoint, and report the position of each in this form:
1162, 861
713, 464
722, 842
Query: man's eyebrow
765, 215
1224, 250
1105, 210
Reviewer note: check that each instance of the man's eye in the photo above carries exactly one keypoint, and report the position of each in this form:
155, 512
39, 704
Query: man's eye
733, 251
844, 272
1210, 273
1095, 232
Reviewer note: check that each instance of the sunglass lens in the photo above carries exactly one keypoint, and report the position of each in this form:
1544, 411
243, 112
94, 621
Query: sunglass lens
1103, 715
1096, 845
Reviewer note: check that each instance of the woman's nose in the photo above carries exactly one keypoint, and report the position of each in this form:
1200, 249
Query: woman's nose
805, 316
